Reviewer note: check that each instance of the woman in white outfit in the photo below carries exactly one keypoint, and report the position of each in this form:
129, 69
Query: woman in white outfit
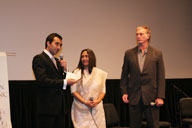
89, 91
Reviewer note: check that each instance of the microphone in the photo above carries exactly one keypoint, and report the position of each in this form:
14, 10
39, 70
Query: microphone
91, 98
152, 103
61, 57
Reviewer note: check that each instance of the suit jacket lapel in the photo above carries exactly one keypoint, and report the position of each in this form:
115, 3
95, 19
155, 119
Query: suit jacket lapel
135, 55
48, 59
147, 59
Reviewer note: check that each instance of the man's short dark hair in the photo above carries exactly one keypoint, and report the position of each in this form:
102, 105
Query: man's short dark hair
51, 37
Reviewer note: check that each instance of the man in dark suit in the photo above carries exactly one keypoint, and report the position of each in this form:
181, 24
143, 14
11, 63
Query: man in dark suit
143, 81
50, 75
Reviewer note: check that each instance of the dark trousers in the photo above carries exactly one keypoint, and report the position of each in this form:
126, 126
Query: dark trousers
50, 121
150, 113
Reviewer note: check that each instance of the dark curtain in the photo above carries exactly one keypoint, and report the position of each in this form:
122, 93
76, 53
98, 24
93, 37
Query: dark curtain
23, 104
24, 111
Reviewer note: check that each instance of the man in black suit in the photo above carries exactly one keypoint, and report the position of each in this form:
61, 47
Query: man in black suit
143, 81
50, 75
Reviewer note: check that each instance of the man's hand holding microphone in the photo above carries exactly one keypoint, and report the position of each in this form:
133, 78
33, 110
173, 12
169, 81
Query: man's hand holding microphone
64, 65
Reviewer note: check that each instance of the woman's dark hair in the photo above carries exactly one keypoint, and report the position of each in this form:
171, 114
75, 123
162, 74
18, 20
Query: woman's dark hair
51, 37
92, 60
